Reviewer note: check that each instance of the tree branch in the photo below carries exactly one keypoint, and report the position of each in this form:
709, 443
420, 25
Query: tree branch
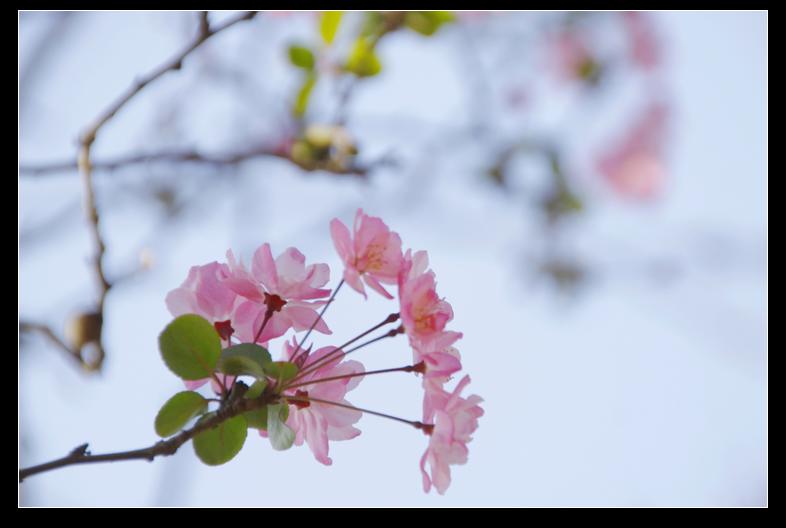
192, 156
46, 331
80, 455
89, 136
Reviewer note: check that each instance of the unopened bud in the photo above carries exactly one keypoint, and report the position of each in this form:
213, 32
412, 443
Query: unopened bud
82, 329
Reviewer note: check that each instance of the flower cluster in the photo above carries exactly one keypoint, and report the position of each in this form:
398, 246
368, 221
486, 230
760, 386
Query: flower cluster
251, 306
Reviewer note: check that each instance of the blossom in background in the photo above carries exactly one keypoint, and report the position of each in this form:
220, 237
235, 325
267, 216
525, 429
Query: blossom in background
317, 423
643, 45
570, 57
635, 168
372, 252
284, 287
455, 419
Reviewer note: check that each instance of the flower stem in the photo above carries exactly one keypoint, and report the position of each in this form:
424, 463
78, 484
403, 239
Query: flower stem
408, 368
268, 315
309, 399
338, 352
314, 324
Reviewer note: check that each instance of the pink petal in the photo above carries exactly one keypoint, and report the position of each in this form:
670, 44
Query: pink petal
376, 286
426, 479
291, 265
353, 279
303, 317
341, 240
263, 268
195, 384
180, 301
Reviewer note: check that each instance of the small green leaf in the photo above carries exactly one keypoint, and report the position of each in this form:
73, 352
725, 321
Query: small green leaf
281, 436
328, 25
427, 22
220, 445
362, 60
177, 411
256, 389
257, 419
244, 359
303, 95
190, 347
281, 370
301, 56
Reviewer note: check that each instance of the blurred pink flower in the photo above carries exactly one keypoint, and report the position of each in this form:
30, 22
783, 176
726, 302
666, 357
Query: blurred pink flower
570, 58
636, 169
314, 422
643, 44
285, 286
372, 252
455, 419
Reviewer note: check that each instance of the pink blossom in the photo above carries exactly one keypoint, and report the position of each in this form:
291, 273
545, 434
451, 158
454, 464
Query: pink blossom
644, 48
314, 422
285, 286
635, 169
455, 419
439, 357
372, 252
570, 57
203, 293
423, 314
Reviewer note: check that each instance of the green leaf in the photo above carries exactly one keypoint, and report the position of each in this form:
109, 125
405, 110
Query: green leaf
257, 419
281, 370
373, 24
301, 56
220, 445
362, 60
244, 359
256, 389
177, 411
281, 436
190, 347
427, 22
303, 95
328, 25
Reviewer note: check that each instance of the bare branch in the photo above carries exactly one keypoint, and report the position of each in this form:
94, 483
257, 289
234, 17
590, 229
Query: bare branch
89, 137
30, 327
80, 455
192, 156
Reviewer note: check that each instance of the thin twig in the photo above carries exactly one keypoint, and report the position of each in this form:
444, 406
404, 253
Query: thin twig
46, 331
89, 136
193, 156
81, 455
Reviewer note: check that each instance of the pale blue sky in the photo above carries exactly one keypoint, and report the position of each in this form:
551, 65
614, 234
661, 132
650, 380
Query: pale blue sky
634, 393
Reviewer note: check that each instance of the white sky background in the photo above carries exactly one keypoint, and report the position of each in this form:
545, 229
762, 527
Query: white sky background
635, 392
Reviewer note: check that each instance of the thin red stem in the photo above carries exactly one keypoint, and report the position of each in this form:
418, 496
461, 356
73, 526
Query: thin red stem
408, 368
331, 355
414, 423
268, 315
316, 321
